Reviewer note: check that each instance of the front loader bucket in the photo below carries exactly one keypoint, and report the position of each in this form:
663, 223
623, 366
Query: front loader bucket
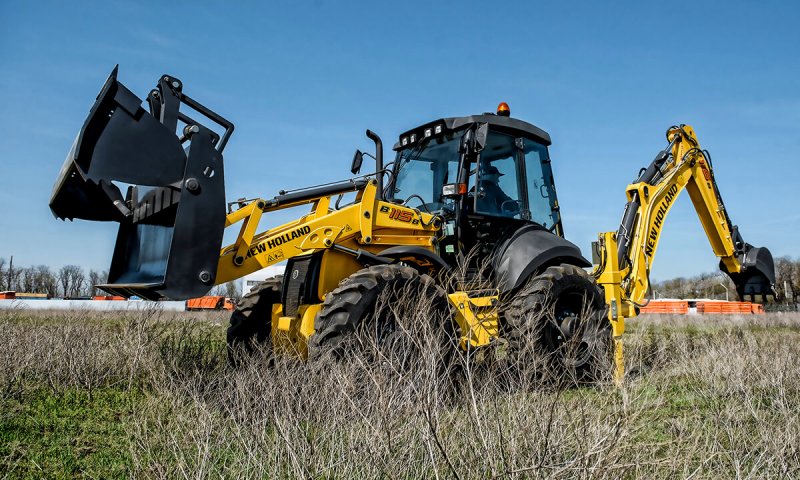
757, 278
172, 211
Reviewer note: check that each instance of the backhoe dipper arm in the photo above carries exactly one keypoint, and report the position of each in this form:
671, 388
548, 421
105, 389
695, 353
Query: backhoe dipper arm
625, 257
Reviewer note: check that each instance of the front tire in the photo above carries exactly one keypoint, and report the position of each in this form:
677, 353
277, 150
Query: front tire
251, 321
387, 310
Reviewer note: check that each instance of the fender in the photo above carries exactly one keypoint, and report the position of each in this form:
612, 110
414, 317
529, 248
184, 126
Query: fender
528, 250
429, 259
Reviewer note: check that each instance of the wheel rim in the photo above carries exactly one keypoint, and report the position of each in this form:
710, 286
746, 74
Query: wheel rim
570, 332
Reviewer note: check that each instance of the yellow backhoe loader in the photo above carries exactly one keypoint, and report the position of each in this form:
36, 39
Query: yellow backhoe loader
474, 194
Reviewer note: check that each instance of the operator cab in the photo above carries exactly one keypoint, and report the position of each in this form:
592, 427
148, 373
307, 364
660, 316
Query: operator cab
490, 172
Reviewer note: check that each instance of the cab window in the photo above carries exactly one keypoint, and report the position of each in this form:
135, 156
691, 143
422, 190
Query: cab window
499, 191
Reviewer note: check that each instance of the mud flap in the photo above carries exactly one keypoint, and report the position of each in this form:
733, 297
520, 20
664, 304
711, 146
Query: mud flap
172, 212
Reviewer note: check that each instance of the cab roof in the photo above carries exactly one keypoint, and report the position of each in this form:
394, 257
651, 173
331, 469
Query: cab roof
512, 125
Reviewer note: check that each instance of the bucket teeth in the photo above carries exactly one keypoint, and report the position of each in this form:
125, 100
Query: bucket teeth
155, 202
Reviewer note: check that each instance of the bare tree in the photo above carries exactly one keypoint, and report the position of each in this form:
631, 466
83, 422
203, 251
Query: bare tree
77, 281
72, 280
27, 279
784, 268
793, 282
96, 278
45, 281
40, 279
64, 278
12, 276
232, 291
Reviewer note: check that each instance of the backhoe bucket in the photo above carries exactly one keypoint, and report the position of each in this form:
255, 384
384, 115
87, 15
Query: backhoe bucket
757, 278
172, 212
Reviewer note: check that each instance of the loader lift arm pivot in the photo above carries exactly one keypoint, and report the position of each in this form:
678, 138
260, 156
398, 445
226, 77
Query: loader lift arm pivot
624, 258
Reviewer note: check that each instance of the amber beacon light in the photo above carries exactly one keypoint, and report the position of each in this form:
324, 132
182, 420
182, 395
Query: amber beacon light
503, 109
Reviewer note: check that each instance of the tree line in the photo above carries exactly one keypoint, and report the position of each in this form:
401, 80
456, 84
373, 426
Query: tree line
69, 281
72, 281
714, 285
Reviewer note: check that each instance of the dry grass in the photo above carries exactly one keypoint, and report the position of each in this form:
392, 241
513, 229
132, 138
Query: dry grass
150, 395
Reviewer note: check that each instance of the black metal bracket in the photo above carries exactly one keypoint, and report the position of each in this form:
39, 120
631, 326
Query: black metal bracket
165, 101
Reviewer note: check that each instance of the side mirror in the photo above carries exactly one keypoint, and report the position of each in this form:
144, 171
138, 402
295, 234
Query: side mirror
358, 159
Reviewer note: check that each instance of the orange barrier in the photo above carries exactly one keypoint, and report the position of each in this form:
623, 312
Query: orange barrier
108, 297
729, 308
714, 307
10, 295
680, 307
209, 302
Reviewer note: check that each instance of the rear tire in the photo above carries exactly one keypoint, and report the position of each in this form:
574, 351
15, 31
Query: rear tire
409, 305
556, 327
251, 321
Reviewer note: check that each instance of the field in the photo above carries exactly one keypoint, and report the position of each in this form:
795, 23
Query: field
151, 395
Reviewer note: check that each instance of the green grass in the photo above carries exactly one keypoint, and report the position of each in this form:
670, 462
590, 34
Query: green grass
150, 395
67, 434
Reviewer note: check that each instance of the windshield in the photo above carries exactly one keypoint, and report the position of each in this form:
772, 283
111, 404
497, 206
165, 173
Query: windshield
422, 171
514, 177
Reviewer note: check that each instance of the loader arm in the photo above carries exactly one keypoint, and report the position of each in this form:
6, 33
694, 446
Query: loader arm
159, 174
625, 258
362, 229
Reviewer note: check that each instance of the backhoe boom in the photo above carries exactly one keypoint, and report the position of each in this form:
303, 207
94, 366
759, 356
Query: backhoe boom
624, 258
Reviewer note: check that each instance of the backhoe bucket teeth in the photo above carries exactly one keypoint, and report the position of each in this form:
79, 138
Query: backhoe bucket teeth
757, 278
172, 210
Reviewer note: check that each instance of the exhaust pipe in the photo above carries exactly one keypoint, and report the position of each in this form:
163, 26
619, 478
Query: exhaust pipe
378, 161
172, 212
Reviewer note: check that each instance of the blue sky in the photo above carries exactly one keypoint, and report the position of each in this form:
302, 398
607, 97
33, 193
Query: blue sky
303, 80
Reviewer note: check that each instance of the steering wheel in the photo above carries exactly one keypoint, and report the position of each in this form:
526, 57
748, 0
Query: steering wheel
511, 206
